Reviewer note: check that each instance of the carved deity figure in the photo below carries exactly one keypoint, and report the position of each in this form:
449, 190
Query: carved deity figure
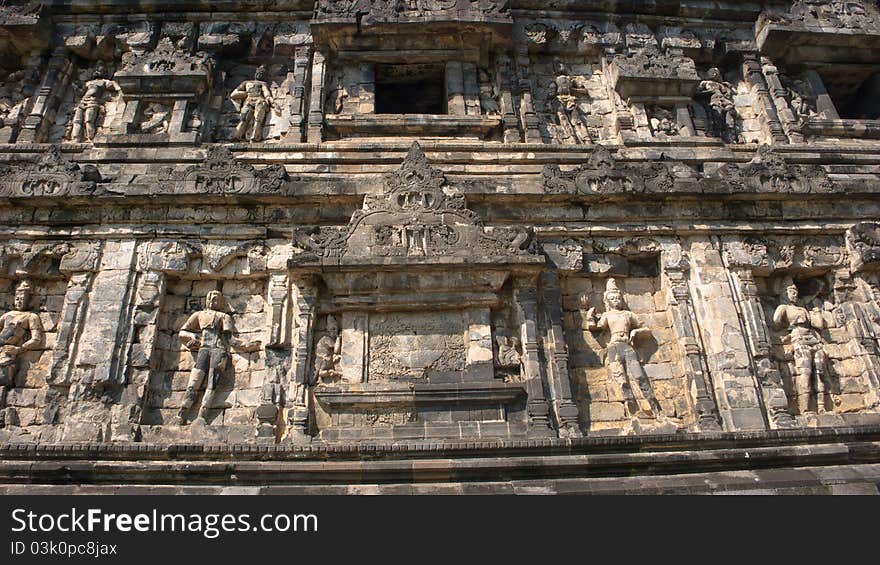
328, 353
718, 97
98, 92
662, 121
20, 331
621, 359
14, 96
809, 364
209, 333
565, 92
488, 94
508, 359
802, 103
156, 118
253, 99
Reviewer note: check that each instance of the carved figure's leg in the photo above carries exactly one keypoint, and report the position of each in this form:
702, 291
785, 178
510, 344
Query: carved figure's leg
196, 376
820, 364
216, 365
91, 122
7, 380
803, 375
259, 119
615, 364
244, 121
640, 384
76, 133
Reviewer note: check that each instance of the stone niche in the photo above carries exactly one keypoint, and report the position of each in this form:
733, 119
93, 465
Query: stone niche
597, 387
183, 285
412, 284
441, 70
811, 336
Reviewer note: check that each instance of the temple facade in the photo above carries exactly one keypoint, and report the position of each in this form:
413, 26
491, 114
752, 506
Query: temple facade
440, 245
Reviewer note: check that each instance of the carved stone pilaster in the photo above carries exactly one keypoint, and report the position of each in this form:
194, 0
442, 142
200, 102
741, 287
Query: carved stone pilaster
46, 98
277, 358
528, 118
316, 106
538, 409
508, 115
863, 344
80, 267
779, 95
676, 268
305, 296
565, 411
766, 106
297, 99
758, 334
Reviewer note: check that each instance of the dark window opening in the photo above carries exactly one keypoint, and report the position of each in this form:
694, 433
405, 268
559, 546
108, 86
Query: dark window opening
411, 89
856, 97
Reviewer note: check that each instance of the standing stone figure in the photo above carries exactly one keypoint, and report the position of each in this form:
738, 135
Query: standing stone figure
20, 331
570, 117
328, 353
621, 359
720, 103
488, 94
208, 334
253, 100
809, 365
88, 111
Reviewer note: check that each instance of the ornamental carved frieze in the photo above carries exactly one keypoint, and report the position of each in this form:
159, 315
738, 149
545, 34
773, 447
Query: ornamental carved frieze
863, 244
768, 171
859, 15
417, 215
764, 255
52, 175
220, 173
206, 257
383, 11
603, 175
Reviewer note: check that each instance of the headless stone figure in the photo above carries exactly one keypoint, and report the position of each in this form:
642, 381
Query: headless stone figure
85, 117
621, 359
810, 364
20, 331
209, 335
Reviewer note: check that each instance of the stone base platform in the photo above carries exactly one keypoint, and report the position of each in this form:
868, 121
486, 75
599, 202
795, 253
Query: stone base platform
812, 461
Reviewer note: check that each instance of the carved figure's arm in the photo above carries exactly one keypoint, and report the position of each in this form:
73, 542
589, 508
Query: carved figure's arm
779, 316
189, 333
37, 339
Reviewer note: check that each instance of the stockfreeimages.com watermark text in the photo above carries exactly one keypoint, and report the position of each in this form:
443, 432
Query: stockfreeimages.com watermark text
210, 526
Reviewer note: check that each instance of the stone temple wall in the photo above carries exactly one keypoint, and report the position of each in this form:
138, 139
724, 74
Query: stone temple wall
324, 226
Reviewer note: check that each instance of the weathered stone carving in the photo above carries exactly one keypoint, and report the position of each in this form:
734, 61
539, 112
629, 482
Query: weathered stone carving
20, 331
768, 171
849, 14
863, 244
156, 116
569, 103
253, 100
663, 121
603, 175
89, 113
416, 216
405, 10
328, 353
508, 359
52, 175
15, 94
621, 359
221, 173
716, 95
809, 365
488, 94
209, 334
